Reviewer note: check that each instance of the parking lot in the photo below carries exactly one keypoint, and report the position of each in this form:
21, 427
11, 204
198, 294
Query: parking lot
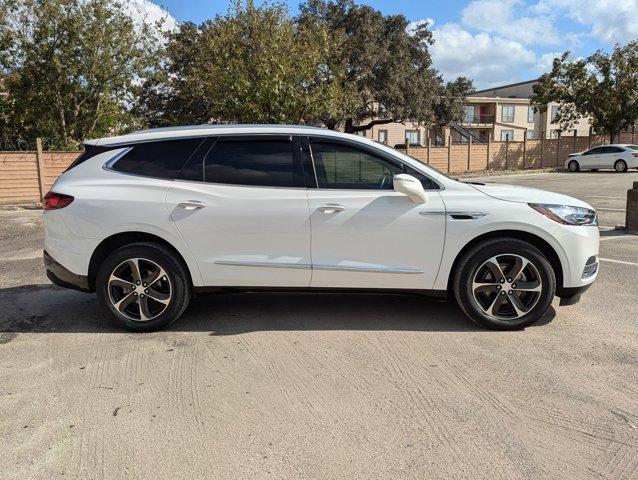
321, 385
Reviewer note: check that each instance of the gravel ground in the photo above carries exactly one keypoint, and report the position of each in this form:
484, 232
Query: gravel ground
320, 386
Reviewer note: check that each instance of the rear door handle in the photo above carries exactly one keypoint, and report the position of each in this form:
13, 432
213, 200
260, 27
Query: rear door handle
191, 205
331, 208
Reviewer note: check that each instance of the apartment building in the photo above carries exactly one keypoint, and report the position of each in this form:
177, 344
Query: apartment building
499, 113
506, 113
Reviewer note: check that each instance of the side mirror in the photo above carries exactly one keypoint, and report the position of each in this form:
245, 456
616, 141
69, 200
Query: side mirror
410, 186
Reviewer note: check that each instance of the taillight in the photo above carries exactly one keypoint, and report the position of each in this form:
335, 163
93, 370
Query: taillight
55, 201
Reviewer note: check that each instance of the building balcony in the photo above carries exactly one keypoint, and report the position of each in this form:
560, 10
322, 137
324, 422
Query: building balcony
478, 120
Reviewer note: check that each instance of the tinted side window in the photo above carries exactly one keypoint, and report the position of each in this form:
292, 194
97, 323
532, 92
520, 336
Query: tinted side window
594, 151
613, 150
256, 162
344, 167
90, 151
162, 159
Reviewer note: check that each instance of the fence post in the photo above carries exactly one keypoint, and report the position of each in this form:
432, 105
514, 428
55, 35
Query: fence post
407, 146
469, 154
575, 133
449, 153
429, 146
39, 158
542, 135
489, 146
524, 148
589, 140
507, 151
633, 131
557, 147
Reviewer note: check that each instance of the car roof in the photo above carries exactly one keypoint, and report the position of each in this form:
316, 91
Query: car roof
189, 131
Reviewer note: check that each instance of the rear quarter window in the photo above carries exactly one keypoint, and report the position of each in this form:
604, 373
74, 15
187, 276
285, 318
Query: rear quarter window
160, 159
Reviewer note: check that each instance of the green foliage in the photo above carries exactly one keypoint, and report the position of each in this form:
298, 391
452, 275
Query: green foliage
602, 86
71, 68
253, 65
337, 64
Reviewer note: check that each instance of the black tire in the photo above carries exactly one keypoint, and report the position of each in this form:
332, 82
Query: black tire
473, 260
594, 169
620, 166
573, 166
177, 283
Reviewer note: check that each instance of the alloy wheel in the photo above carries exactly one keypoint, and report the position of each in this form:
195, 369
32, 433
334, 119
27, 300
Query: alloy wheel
139, 289
507, 287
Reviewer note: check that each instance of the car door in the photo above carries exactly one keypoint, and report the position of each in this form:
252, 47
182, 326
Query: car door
364, 234
589, 158
242, 209
612, 154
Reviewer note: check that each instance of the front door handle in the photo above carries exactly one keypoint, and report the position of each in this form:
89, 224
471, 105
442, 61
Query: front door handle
191, 205
331, 208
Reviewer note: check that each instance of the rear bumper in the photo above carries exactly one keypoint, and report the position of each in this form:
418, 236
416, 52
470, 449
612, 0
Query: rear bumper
64, 277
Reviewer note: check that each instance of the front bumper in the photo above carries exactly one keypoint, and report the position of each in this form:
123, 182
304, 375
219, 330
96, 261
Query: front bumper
571, 296
63, 277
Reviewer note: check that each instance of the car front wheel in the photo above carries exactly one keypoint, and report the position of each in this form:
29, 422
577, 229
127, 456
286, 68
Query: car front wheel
573, 166
143, 286
504, 284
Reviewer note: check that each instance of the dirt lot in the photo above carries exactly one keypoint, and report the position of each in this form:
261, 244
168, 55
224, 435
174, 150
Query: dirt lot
321, 386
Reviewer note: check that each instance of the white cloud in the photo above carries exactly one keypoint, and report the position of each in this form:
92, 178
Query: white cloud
412, 26
508, 19
145, 11
488, 60
611, 21
545, 62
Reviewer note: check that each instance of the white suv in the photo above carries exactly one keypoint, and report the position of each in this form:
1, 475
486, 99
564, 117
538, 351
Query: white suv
149, 219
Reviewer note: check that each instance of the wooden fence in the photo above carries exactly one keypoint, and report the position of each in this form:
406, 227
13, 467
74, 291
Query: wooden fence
541, 153
26, 176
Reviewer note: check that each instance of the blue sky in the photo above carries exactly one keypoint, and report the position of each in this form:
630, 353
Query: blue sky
491, 41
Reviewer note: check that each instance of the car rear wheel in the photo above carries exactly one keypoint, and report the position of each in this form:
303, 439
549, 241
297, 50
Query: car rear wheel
143, 286
504, 284
620, 166
573, 166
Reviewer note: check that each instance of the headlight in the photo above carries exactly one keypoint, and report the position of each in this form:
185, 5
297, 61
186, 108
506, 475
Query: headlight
566, 214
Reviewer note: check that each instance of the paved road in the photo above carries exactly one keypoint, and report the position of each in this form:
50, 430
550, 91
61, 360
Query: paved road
319, 386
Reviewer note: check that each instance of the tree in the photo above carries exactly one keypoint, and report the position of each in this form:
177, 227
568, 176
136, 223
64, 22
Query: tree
71, 69
384, 66
603, 87
336, 64
252, 65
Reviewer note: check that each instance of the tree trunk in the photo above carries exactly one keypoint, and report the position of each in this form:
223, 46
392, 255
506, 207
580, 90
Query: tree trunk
349, 128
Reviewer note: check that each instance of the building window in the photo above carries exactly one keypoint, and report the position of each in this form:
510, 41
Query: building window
554, 133
530, 114
532, 135
554, 113
507, 113
362, 133
507, 135
412, 137
468, 116
383, 136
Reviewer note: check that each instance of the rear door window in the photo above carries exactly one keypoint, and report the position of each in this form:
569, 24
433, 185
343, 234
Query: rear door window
262, 162
160, 159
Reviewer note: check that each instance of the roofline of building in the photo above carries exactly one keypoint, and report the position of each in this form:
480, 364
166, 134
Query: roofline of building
504, 86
